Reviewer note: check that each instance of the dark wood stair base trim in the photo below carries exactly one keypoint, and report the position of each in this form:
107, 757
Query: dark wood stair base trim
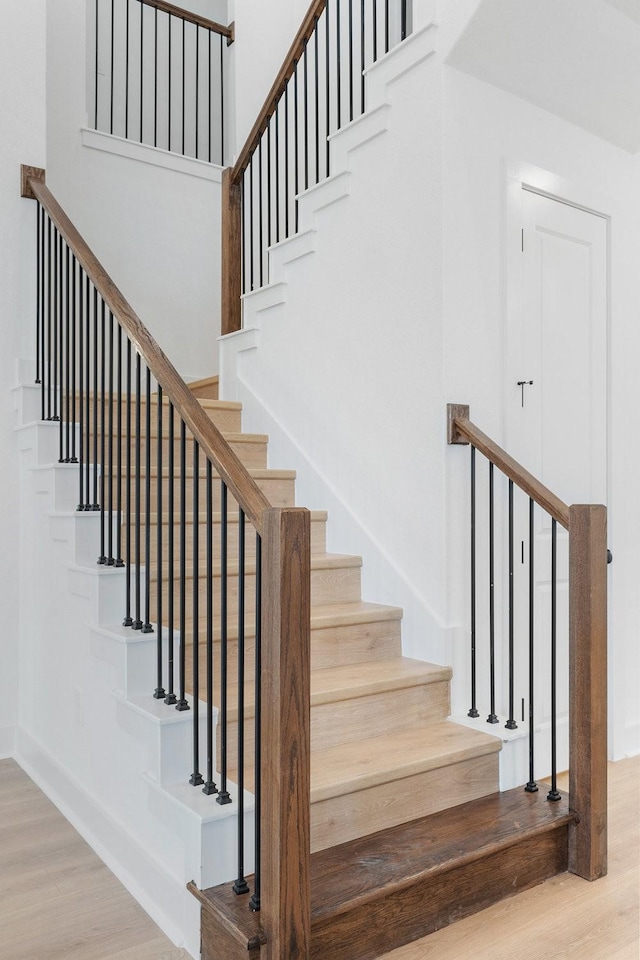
382, 891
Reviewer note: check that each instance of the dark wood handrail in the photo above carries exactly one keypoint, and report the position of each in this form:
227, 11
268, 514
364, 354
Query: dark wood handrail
211, 441
463, 430
270, 104
190, 17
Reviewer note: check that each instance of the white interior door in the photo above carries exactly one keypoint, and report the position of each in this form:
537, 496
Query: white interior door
556, 421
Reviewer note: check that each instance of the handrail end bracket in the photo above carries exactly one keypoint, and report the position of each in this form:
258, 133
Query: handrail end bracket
28, 173
456, 411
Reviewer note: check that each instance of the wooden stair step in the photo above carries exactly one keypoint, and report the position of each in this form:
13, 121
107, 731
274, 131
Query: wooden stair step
361, 787
379, 892
206, 388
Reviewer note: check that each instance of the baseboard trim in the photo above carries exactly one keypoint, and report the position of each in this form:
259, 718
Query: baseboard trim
7, 742
162, 896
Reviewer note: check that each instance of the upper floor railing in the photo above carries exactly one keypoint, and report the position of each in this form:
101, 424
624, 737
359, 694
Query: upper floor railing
586, 638
160, 77
220, 576
319, 88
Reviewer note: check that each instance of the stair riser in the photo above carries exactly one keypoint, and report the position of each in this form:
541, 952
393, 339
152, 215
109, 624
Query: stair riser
348, 721
336, 585
252, 453
280, 492
435, 902
226, 420
344, 818
318, 540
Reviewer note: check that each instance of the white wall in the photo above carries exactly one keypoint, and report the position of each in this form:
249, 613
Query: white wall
22, 81
486, 129
155, 230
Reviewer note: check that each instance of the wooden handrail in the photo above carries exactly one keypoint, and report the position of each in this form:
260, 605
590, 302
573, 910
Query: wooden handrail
286, 71
190, 17
462, 430
211, 441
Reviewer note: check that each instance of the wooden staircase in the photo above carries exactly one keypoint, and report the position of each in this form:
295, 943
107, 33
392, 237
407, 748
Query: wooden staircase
404, 803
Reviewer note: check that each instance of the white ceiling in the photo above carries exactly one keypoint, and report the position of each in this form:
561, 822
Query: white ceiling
579, 59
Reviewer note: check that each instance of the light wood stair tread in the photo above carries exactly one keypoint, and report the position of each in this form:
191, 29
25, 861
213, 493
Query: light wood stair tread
319, 561
258, 473
357, 766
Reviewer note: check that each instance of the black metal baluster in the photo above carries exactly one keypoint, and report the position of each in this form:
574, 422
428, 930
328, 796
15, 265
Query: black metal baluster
72, 401
137, 623
159, 693
95, 505
110, 555
286, 161
95, 110
251, 222
277, 170
492, 718
473, 712
146, 626
103, 390
171, 698
554, 793
209, 787
241, 886
119, 562
141, 66
112, 64
155, 78
81, 392
87, 395
223, 795
196, 779
511, 722
362, 57
48, 365
295, 143
128, 619
375, 30
386, 26
197, 86
305, 76
209, 101
38, 287
327, 90
56, 319
350, 59
254, 903
66, 354
183, 86
338, 68
126, 73
170, 20
260, 237
182, 700
317, 97
531, 786
268, 188
221, 104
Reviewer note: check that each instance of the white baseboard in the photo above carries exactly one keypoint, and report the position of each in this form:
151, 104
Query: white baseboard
7, 742
164, 898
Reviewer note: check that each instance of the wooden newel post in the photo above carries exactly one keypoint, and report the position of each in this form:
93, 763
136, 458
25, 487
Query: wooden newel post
231, 308
286, 706
588, 689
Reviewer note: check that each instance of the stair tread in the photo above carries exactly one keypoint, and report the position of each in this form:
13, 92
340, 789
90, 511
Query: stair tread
351, 681
317, 516
350, 767
258, 473
363, 871
319, 561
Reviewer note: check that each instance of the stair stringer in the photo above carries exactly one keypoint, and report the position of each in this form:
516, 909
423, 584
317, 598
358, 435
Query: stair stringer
271, 316
112, 758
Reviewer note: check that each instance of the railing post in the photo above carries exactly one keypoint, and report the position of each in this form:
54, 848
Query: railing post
588, 689
231, 319
285, 829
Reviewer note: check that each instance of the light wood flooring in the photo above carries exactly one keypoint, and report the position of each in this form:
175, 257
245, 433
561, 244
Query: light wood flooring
59, 902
